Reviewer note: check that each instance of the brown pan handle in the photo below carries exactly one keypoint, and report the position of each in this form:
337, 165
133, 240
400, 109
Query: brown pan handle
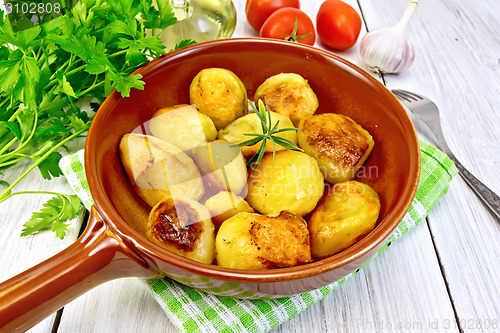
96, 257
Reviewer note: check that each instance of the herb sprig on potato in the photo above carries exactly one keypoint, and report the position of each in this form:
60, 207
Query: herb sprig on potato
269, 133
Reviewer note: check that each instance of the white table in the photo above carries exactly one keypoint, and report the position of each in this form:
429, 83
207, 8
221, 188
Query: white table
443, 273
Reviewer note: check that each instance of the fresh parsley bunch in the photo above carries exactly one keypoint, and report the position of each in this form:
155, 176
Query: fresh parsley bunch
45, 72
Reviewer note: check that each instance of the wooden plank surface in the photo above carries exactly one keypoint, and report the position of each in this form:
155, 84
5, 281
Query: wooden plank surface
440, 271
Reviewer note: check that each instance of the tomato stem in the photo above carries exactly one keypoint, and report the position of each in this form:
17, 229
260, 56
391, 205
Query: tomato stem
293, 36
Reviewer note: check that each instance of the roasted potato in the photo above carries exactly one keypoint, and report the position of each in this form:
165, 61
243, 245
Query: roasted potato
344, 216
292, 182
251, 123
183, 126
288, 94
183, 226
220, 94
253, 241
222, 166
224, 205
337, 142
159, 170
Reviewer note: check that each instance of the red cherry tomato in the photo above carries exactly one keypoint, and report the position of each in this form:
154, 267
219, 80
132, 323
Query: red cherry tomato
290, 24
258, 11
338, 24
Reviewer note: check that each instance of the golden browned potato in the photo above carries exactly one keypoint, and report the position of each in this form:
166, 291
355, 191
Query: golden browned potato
253, 241
183, 226
158, 169
337, 142
291, 182
183, 126
224, 205
220, 94
251, 124
288, 94
343, 217
222, 166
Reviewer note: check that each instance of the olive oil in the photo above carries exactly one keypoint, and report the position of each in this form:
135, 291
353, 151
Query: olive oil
200, 20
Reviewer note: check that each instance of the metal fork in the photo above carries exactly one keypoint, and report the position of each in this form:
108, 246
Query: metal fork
428, 112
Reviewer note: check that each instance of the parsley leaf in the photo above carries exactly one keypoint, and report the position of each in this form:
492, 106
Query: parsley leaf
6, 34
49, 167
26, 119
14, 128
26, 38
134, 54
66, 87
125, 83
10, 72
120, 27
98, 64
55, 212
77, 123
158, 18
166, 14
183, 43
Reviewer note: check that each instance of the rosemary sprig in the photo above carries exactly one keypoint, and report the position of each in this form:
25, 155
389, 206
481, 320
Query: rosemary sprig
269, 133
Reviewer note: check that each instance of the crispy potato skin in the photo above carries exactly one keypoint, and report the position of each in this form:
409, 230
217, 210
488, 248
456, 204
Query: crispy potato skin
158, 169
235, 132
220, 94
183, 226
224, 205
343, 217
338, 143
291, 182
183, 126
288, 94
222, 166
253, 241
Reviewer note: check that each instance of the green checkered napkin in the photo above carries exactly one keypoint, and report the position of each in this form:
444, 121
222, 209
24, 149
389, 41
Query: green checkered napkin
191, 310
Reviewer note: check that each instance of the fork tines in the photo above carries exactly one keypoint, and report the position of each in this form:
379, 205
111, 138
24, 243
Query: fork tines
406, 95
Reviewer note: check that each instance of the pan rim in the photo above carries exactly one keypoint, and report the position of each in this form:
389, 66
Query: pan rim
149, 249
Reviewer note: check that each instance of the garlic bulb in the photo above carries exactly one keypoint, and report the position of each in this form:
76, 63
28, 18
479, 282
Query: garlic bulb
387, 50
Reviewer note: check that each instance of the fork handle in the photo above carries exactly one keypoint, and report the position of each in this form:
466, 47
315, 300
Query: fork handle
490, 198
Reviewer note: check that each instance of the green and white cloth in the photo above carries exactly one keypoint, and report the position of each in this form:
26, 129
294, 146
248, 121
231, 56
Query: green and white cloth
191, 310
